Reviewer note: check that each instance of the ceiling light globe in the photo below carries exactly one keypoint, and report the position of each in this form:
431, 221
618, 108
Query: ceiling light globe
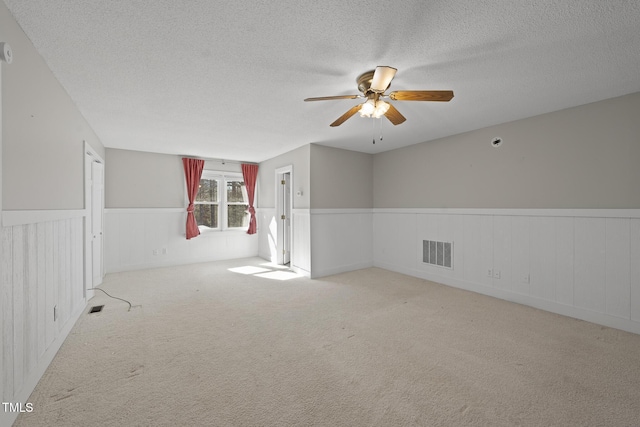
367, 109
381, 108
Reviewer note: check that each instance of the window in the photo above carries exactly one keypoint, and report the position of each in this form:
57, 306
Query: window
207, 202
221, 202
237, 205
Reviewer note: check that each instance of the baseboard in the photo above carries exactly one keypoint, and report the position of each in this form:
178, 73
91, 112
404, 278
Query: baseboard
30, 383
175, 262
300, 271
627, 325
341, 269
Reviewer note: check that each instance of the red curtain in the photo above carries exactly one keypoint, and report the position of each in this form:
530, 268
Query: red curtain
250, 174
192, 173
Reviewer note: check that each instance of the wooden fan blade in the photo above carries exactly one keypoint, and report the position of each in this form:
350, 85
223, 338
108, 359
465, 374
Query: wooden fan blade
422, 95
394, 115
328, 98
343, 118
382, 77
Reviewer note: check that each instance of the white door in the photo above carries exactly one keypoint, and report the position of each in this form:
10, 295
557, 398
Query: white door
286, 223
97, 200
283, 235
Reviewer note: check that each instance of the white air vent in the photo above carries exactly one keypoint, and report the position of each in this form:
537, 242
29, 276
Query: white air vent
437, 253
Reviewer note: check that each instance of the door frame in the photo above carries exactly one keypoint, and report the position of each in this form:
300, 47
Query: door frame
280, 243
90, 155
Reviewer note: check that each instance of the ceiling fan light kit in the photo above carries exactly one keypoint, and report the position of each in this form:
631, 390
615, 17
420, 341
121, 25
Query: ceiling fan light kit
375, 109
373, 85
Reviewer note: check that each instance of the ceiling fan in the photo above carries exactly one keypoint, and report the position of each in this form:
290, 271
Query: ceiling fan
373, 84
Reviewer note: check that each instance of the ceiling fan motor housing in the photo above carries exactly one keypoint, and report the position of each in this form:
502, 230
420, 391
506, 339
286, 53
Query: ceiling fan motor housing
364, 81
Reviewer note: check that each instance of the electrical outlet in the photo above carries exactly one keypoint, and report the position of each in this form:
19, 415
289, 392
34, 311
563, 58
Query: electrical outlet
156, 251
489, 273
526, 278
496, 274
164, 251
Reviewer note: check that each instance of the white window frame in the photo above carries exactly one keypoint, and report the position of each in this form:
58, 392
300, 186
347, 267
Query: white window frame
222, 179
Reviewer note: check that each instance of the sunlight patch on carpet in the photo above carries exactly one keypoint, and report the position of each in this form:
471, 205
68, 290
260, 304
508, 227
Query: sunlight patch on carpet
279, 275
248, 269
274, 265
276, 272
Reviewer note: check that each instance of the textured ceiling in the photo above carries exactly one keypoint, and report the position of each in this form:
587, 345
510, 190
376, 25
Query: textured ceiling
226, 79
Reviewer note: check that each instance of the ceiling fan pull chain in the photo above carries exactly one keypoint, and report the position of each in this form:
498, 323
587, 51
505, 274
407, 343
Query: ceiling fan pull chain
373, 126
380, 130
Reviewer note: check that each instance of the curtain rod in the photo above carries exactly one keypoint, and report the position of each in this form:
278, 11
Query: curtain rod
223, 161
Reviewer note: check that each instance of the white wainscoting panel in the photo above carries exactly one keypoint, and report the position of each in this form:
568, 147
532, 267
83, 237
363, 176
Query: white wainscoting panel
634, 258
301, 245
589, 290
42, 268
520, 254
467, 249
390, 234
7, 313
618, 267
267, 233
540, 259
580, 263
486, 249
341, 240
564, 260
502, 247
149, 238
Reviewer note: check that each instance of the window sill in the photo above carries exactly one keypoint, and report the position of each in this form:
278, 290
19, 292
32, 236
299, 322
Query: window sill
214, 232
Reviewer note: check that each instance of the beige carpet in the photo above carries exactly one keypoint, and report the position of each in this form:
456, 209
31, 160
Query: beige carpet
214, 347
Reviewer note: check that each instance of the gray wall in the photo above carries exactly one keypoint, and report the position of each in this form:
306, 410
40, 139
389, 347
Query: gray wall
43, 131
135, 179
582, 157
299, 158
340, 178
